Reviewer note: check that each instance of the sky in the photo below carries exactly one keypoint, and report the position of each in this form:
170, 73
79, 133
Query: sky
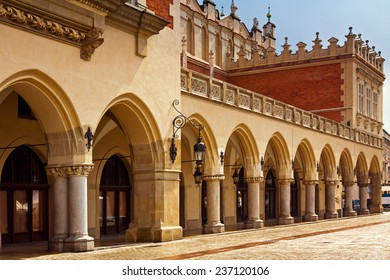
299, 20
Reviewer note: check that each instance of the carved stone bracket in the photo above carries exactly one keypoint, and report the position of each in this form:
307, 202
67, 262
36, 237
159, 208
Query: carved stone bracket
46, 24
92, 42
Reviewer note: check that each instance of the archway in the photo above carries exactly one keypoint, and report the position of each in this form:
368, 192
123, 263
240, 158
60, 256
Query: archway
279, 160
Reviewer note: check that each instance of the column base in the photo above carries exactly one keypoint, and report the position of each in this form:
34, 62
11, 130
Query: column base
312, 217
255, 223
364, 212
216, 228
350, 213
334, 215
57, 244
153, 234
376, 209
77, 243
285, 220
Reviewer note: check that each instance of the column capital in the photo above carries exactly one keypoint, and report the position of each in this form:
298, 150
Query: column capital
331, 182
215, 177
78, 170
348, 184
55, 171
285, 181
310, 182
254, 179
363, 185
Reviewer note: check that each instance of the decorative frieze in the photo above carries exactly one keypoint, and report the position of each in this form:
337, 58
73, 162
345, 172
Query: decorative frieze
199, 86
215, 92
244, 101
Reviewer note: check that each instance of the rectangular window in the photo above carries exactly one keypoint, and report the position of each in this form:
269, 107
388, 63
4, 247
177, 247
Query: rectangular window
368, 102
361, 98
375, 105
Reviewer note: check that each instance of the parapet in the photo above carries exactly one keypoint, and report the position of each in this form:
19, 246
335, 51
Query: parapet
354, 46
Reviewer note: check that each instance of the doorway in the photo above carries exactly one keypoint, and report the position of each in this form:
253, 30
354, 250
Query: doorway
114, 197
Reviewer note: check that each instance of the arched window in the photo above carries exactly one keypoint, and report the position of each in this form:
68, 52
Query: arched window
23, 198
114, 198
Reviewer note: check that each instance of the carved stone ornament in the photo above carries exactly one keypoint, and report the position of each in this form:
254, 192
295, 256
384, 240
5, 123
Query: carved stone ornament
78, 170
310, 182
92, 42
42, 24
55, 171
285, 182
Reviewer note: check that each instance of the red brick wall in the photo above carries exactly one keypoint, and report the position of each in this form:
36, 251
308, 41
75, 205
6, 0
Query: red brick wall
161, 8
309, 88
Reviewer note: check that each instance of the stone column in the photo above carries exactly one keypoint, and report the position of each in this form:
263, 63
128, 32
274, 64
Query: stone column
213, 224
60, 208
348, 208
285, 201
363, 198
331, 212
376, 194
310, 201
78, 240
253, 203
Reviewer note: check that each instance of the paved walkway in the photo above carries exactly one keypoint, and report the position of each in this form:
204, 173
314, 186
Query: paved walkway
361, 238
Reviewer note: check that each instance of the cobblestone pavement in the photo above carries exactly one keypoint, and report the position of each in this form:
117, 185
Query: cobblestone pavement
362, 238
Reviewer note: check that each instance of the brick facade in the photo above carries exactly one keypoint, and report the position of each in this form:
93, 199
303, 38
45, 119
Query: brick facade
161, 8
309, 88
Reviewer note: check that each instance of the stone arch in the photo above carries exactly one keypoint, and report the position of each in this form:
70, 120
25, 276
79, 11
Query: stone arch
361, 168
54, 111
243, 141
139, 127
305, 159
277, 156
212, 160
346, 166
327, 163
